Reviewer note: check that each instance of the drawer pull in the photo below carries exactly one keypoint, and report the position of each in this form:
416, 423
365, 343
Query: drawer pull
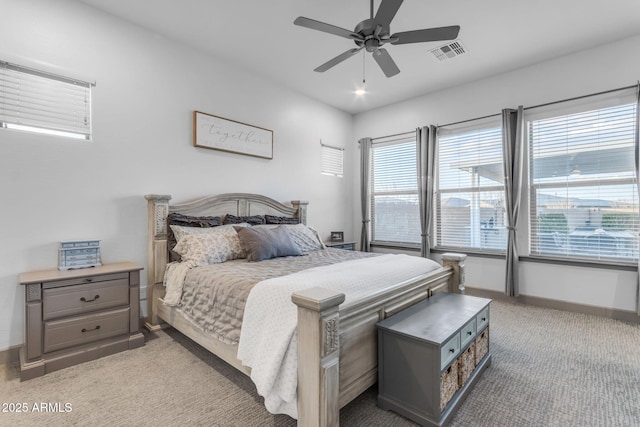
88, 330
452, 350
469, 333
83, 299
484, 319
88, 279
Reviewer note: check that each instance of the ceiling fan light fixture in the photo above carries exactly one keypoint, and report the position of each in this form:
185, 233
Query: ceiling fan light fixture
360, 91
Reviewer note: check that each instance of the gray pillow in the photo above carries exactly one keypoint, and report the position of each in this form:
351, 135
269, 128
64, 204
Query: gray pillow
267, 243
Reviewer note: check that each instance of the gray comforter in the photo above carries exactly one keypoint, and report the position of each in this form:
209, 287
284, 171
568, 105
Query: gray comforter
214, 296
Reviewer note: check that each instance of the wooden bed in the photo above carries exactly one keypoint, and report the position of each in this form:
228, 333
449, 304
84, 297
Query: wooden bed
337, 345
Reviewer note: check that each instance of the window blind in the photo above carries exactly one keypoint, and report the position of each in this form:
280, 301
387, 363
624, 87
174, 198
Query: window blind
583, 194
41, 102
395, 215
332, 160
470, 211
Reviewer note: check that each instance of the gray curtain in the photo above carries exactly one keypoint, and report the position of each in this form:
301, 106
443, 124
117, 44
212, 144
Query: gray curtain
426, 154
513, 153
365, 193
637, 156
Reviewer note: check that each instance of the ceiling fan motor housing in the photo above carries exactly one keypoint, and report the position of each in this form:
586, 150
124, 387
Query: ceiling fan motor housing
373, 34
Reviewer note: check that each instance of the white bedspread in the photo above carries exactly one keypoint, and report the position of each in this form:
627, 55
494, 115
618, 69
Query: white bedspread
268, 336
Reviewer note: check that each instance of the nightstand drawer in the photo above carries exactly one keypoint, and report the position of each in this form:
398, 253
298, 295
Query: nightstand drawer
61, 334
71, 300
85, 279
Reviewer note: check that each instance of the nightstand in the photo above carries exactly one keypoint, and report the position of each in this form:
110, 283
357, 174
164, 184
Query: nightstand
79, 315
350, 246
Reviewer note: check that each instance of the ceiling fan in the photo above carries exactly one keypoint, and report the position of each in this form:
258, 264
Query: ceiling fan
371, 34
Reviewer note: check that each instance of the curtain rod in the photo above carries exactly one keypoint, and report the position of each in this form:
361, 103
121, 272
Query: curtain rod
471, 120
391, 136
583, 96
637, 85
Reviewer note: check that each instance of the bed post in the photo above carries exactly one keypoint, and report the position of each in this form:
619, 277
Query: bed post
301, 206
318, 357
157, 211
456, 262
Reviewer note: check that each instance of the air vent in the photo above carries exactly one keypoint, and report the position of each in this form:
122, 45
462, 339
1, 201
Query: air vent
449, 50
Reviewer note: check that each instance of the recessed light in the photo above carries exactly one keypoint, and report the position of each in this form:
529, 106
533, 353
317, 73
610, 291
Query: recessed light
360, 92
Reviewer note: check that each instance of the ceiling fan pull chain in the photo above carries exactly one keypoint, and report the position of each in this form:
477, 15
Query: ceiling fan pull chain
363, 59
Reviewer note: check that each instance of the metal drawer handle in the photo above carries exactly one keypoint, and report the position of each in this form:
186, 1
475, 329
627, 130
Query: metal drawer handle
88, 279
484, 319
83, 299
452, 350
94, 329
469, 333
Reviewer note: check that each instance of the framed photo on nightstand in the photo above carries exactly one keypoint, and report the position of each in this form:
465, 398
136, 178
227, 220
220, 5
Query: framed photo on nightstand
337, 236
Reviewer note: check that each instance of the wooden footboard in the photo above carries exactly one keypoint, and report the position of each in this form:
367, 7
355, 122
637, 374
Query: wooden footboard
337, 345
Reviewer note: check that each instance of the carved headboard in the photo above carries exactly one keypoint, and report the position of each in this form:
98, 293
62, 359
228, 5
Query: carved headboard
239, 204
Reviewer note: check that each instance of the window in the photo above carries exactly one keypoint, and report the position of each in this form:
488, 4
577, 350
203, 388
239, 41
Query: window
332, 160
469, 192
394, 191
40, 102
583, 194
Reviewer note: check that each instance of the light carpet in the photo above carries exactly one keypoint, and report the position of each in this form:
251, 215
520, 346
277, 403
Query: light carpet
549, 368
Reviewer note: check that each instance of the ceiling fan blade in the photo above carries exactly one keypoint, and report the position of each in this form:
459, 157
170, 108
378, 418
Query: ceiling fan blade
385, 62
327, 28
426, 35
386, 12
338, 59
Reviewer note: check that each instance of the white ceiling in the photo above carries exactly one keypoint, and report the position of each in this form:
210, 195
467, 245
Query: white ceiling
499, 35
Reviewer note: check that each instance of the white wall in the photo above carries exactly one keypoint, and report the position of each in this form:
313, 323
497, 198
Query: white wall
56, 189
607, 67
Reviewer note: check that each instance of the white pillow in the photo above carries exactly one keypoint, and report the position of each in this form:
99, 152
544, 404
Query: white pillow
210, 248
181, 231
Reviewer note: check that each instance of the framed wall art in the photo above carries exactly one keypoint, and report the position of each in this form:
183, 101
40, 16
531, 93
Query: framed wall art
218, 133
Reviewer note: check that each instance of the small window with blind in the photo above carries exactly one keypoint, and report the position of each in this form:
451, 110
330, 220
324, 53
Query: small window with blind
583, 192
37, 101
332, 160
469, 191
395, 209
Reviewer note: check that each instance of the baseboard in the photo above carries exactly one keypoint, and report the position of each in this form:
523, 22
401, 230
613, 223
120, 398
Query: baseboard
10, 356
612, 313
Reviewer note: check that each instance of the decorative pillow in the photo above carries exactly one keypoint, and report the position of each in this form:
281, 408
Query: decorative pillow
253, 220
181, 232
262, 243
210, 248
272, 219
188, 221
306, 238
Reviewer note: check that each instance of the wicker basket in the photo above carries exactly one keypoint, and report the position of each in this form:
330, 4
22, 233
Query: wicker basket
448, 384
482, 345
466, 364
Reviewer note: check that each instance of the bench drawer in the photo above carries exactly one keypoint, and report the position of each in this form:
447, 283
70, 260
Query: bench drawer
468, 333
449, 350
